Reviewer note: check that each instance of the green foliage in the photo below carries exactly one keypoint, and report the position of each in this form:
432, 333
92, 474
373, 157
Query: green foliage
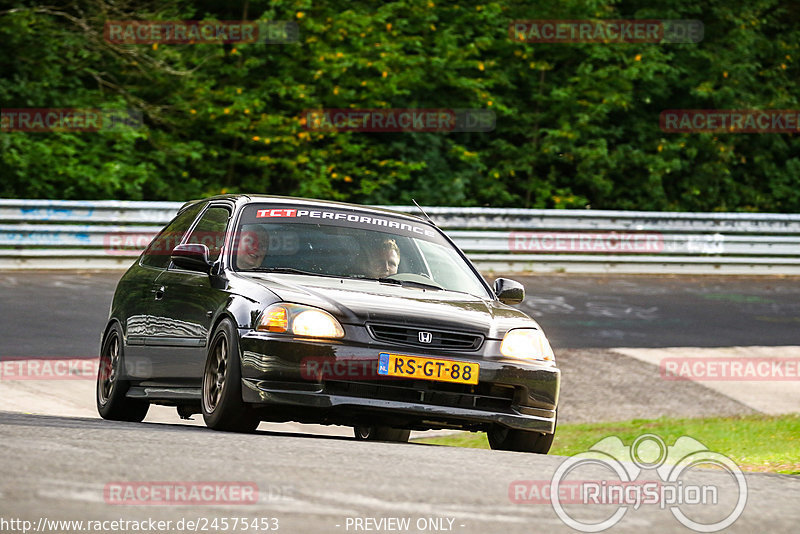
577, 124
755, 442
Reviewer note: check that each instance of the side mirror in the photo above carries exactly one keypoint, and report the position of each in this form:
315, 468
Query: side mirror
193, 257
509, 291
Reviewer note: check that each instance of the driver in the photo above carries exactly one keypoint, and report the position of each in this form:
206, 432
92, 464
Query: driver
386, 261
253, 245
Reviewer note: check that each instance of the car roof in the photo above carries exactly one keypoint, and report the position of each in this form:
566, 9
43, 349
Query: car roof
248, 199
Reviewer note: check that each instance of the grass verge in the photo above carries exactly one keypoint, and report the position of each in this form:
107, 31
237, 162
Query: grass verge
757, 443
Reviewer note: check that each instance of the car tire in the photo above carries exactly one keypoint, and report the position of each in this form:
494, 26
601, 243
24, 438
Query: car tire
381, 433
222, 404
502, 438
111, 390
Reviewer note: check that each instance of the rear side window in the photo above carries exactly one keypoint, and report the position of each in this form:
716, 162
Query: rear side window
210, 231
158, 252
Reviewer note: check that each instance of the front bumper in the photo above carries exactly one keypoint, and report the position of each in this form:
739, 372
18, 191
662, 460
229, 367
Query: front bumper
336, 382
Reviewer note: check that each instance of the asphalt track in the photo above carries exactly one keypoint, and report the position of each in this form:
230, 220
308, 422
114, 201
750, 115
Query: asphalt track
59, 467
63, 313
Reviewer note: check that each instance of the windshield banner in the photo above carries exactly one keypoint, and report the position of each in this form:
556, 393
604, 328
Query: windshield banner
344, 218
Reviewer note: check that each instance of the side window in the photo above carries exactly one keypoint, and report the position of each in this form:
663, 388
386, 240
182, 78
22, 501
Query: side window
210, 231
158, 252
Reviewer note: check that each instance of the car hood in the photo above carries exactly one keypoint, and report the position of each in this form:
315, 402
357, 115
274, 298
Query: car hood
360, 301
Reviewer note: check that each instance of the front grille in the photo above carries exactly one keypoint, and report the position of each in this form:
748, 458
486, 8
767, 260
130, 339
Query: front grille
481, 397
439, 339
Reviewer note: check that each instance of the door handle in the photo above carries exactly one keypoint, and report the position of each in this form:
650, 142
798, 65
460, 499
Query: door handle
159, 293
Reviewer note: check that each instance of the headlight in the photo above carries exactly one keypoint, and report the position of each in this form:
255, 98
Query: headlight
316, 323
527, 344
300, 321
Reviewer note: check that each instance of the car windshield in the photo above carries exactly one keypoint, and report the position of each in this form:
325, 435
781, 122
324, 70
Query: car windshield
349, 244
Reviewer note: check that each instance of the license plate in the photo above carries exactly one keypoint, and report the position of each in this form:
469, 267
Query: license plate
438, 369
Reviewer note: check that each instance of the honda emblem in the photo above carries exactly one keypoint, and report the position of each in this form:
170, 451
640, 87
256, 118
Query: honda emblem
425, 337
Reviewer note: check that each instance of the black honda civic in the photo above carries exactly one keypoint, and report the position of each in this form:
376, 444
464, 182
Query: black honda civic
256, 308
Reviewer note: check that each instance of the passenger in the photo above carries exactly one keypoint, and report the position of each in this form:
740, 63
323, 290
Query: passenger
386, 261
253, 245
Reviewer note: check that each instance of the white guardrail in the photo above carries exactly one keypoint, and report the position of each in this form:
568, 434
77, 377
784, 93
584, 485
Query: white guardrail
64, 234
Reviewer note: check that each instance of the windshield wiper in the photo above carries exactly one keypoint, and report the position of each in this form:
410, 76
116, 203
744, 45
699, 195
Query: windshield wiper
405, 283
288, 270
393, 281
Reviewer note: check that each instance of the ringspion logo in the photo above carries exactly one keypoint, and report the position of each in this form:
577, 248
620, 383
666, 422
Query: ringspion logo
645, 473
